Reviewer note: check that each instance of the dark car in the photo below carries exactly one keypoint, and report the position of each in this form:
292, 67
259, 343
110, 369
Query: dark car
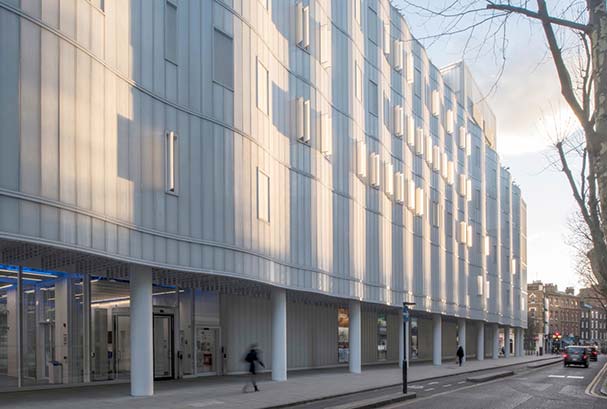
576, 355
594, 353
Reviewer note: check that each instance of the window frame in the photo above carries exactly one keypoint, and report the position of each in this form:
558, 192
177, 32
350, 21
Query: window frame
267, 219
170, 4
265, 110
231, 38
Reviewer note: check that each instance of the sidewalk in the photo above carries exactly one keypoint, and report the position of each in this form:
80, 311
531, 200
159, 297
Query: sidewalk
226, 392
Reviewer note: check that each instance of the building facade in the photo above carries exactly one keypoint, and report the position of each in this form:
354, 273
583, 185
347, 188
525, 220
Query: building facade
593, 323
180, 179
538, 312
565, 312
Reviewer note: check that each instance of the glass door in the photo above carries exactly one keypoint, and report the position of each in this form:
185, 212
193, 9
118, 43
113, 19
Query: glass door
122, 345
163, 346
207, 340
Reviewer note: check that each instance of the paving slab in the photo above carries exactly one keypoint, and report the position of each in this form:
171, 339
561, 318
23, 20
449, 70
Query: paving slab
226, 391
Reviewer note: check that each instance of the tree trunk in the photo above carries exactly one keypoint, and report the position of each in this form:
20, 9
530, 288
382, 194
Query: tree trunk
596, 139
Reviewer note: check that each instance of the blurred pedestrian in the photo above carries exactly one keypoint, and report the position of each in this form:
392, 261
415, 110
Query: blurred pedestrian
460, 355
252, 358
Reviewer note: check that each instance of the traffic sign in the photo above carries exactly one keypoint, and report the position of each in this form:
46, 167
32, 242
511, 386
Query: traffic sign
405, 313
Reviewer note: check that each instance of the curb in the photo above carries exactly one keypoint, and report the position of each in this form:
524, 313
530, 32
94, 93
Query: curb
490, 377
541, 364
376, 388
377, 402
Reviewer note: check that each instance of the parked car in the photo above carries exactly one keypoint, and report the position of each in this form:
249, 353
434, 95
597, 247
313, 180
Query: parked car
576, 355
594, 353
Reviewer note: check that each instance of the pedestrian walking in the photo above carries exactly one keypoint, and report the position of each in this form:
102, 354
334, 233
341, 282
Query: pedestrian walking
252, 358
460, 355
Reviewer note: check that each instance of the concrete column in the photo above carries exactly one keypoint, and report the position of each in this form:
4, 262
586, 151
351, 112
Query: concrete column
480, 341
279, 334
355, 337
506, 342
142, 351
518, 341
495, 354
461, 335
437, 324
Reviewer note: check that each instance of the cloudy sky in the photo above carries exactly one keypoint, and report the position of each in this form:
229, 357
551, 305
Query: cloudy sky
528, 107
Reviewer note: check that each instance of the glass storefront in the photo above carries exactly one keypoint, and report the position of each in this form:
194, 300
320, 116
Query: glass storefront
414, 338
68, 328
382, 337
343, 331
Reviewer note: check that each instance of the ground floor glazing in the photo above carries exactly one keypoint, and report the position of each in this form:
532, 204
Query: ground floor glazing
71, 327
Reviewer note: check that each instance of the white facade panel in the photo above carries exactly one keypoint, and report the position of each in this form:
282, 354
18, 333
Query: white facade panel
83, 153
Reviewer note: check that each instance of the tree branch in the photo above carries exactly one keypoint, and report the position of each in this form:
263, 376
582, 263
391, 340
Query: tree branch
574, 188
552, 20
561, 67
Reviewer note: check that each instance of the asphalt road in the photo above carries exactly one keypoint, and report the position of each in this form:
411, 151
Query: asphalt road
552, 386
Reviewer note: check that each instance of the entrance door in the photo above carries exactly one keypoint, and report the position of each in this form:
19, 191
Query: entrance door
207, 341
122, 346
163, 346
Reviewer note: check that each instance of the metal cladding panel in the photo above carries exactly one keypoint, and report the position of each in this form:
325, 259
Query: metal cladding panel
83, 163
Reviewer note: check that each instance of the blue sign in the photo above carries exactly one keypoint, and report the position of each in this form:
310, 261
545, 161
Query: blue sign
406, 313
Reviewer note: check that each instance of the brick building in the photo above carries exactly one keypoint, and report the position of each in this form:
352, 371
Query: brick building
564, 311
537, 315
593, 322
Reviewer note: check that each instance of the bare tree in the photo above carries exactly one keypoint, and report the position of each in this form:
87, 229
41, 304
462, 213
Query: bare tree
580, 27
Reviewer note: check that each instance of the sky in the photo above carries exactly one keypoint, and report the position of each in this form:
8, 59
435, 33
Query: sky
528, 107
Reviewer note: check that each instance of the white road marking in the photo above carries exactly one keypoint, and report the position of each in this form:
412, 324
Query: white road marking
460, 382
429, 389
205, 404
415, 386
433, 383
447, 385
556, 376
575, 377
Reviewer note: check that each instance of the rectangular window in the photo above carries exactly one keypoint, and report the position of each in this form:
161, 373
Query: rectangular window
372, 98
449, 224
171, 161
343, 336
477, 199
263, 196
170, 32
303, 120
477, 156
372, 25
382, 337
303, 25
262, 87
100, 4
223, 59
435, 214
358, 82
414, 339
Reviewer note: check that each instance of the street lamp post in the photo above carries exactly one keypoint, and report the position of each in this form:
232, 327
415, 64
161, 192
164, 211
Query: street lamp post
406, 352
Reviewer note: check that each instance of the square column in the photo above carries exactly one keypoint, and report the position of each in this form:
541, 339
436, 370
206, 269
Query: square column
518, 342
355, 337
495, 341
279, 334
437, 335
480, 341
142, 350
461, 335
506, 342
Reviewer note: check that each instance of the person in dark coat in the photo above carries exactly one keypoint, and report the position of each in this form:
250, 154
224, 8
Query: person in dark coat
460, 355
252, 358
